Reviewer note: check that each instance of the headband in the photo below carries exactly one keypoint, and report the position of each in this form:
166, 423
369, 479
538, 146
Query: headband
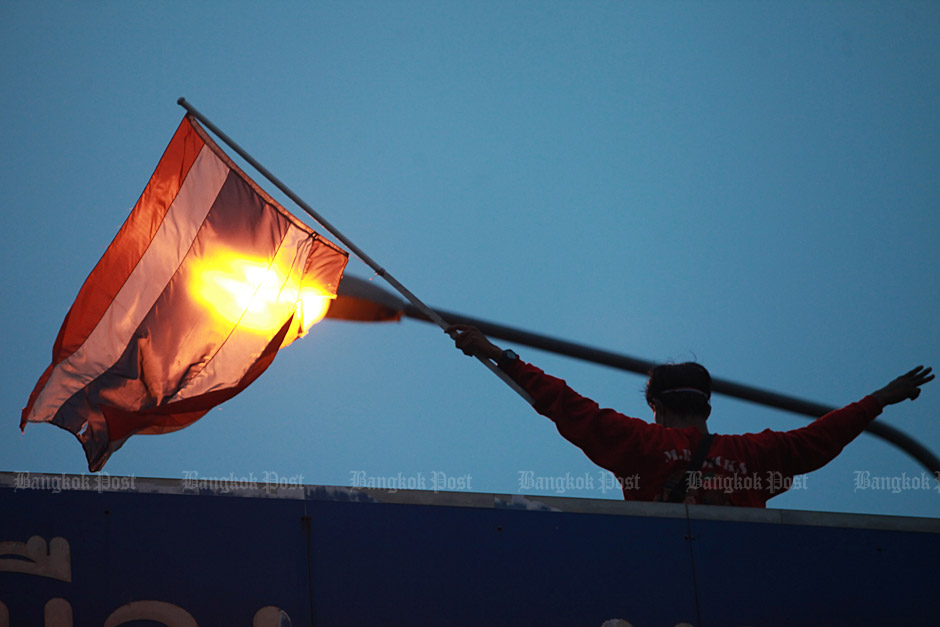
695, 390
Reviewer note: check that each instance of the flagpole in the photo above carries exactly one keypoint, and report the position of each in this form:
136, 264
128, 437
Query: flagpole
379, 270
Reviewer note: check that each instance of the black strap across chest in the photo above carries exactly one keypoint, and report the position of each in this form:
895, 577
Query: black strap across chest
677, 495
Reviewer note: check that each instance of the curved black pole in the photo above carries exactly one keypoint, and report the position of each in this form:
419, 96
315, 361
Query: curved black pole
392, 308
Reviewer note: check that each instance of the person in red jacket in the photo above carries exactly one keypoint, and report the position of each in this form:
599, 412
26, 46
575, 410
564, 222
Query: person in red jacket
677, 459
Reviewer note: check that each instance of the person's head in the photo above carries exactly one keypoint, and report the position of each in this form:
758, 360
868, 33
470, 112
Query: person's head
679, 393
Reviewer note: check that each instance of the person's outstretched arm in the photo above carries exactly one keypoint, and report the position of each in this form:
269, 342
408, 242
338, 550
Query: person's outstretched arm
617, 442
811, 447
905, 386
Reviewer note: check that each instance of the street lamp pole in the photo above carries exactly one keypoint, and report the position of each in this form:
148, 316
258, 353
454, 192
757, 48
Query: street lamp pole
363, 301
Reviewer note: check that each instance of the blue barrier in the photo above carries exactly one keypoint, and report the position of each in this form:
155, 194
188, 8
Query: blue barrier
109, 551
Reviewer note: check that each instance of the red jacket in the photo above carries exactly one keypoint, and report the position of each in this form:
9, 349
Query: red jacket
649, 459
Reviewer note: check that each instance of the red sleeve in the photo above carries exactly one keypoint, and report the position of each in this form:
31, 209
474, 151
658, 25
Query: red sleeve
803, 450
611, 440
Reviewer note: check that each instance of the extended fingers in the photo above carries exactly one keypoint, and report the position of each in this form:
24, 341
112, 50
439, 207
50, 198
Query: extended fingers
916, 378
919, 375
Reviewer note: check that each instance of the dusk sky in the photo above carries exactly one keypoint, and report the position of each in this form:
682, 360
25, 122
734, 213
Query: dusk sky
752, 185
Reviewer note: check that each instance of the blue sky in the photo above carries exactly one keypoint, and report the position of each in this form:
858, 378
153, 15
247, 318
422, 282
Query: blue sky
753, 185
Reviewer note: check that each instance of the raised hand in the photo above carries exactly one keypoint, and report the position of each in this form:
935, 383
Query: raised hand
905, 386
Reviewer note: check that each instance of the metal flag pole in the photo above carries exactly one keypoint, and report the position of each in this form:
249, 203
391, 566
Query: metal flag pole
379, 270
